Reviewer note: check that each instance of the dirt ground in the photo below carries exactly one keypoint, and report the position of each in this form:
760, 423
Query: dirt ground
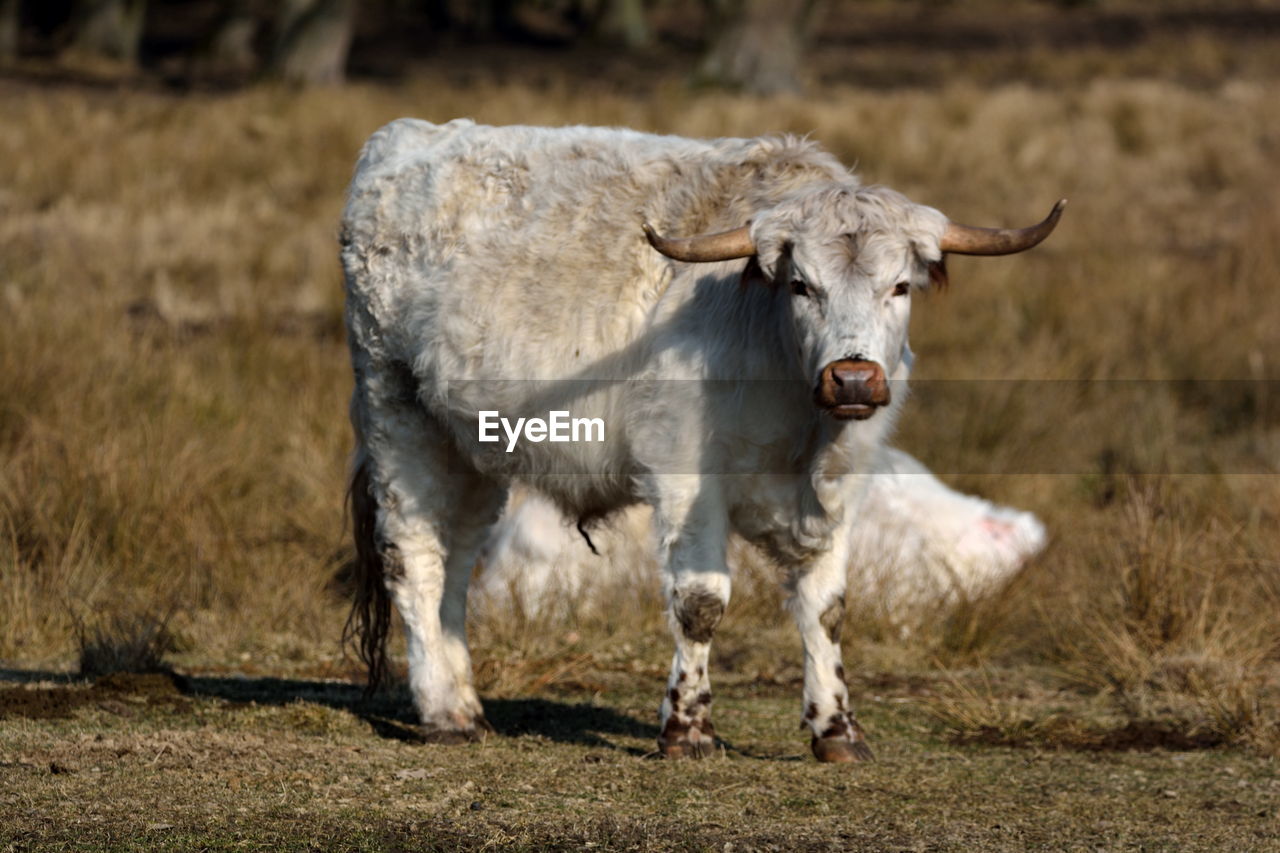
205, 762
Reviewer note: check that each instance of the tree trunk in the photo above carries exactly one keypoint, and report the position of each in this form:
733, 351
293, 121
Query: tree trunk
758, 46
8, 30
229, 48
109, 29
624, 21
619, 21
484, 18
315, 37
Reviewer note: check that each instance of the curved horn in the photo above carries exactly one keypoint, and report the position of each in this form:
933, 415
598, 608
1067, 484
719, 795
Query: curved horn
724, 246
970, 240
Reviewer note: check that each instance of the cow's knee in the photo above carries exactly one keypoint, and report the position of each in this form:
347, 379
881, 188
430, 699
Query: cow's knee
697, 612
832, 620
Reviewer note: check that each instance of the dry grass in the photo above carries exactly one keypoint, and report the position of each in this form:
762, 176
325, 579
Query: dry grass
134, 643
1164, 629
234, 763
173, 379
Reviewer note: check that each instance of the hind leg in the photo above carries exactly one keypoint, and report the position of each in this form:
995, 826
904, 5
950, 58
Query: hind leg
477, 504
430, 515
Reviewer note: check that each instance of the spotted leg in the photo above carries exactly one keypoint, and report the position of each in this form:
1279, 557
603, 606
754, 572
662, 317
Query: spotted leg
817, 604
696, 583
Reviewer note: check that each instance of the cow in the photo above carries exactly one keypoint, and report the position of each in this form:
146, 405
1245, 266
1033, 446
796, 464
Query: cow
915, 544
733, 312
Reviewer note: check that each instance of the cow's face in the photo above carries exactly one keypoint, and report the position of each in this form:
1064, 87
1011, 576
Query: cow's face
846, 262
846, 259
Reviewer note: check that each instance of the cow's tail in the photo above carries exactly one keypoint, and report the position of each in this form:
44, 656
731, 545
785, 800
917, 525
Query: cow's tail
370, 619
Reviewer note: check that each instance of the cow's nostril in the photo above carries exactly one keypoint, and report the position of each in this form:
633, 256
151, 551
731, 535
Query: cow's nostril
852, 390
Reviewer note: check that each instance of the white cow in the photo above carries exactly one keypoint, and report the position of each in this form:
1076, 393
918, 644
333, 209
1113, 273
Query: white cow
741, 378
915, 544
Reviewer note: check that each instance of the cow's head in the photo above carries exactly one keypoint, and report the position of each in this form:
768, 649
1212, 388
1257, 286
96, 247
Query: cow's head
847, 259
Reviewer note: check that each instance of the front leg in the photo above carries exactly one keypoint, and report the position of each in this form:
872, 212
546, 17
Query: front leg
694, 610
817, 604
696, 582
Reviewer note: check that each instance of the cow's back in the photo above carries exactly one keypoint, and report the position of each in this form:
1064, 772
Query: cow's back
516, 252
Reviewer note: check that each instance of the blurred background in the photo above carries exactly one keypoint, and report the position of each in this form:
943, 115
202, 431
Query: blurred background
174, 377
755, 46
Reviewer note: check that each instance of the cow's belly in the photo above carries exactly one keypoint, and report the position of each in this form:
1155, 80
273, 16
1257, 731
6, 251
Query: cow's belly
577, 453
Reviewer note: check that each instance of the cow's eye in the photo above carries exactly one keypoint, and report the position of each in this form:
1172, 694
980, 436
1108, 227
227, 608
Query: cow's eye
799, 288
902, 288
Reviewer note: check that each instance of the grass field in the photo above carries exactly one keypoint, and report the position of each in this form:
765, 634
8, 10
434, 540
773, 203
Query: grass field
173, 442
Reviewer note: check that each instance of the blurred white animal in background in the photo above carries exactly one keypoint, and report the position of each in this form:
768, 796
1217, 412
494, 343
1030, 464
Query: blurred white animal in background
915, 542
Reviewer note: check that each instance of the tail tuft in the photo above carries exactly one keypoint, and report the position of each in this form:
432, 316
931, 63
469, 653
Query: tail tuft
370, 619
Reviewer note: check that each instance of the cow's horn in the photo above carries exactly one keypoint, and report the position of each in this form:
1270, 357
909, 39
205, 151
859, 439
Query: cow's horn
724, 246
970, 240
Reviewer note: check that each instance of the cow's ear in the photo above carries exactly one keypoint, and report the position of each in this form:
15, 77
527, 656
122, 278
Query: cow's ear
753, 275
938, 274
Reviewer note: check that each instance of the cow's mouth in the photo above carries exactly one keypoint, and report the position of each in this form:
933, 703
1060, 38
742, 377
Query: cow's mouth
852, 412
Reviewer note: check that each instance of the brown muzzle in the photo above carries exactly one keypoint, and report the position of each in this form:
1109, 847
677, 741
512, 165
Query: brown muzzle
852, 389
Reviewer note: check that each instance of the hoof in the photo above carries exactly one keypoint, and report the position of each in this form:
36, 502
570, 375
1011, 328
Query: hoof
688, 749
475, 732
836, 750
690, 743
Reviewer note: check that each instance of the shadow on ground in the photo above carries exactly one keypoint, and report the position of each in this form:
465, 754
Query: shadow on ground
389, 713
